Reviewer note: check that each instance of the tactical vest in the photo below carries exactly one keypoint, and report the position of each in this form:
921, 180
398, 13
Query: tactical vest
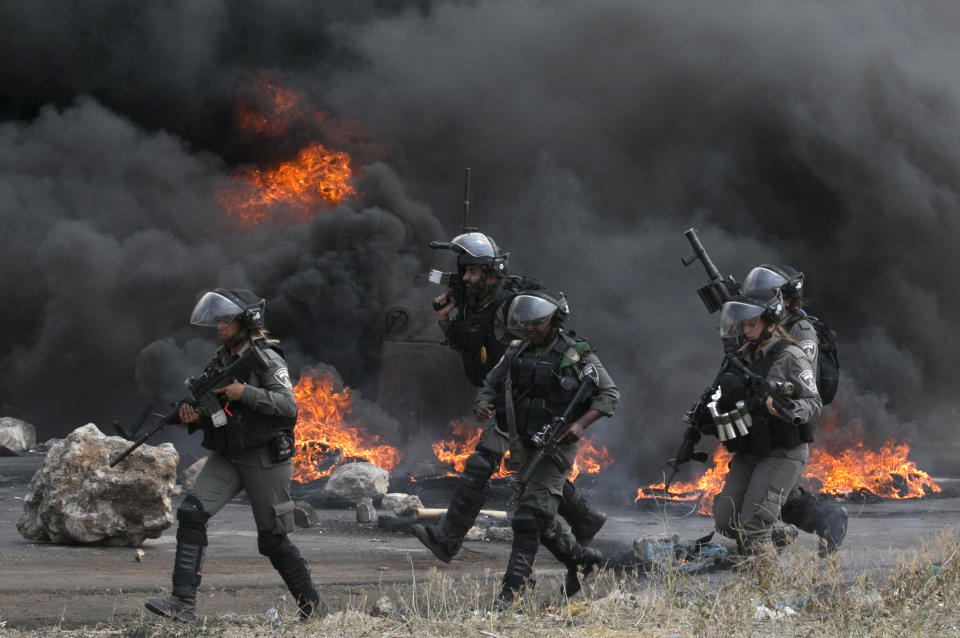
768, 431
246, 428
543, 386
472, 335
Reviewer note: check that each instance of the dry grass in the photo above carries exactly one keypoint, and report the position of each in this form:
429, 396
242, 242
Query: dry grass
917, 597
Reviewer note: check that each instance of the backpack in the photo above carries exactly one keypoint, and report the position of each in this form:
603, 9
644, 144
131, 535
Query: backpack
828, 362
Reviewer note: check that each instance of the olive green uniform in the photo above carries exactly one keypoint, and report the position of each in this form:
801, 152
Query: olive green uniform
757, 485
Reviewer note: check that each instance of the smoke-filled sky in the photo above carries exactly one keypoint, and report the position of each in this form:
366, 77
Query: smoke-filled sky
820, 135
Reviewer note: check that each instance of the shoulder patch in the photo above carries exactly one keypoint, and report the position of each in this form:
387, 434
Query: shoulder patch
283, 377
809, 347
806, 378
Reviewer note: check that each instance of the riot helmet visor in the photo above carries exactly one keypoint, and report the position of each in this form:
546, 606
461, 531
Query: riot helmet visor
735, 312
762, 282
527, 310
213, 309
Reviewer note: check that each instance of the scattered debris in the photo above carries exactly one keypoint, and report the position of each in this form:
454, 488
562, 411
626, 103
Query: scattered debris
356, 481
402, 504
189, 476
304, 516
138, 556
366, 512
383, 607
16, 437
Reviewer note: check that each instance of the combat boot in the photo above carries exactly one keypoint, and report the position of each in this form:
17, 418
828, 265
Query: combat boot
824, 518
526, 541
435, 540
444, 540
560, 542
181, 604
286, 559
182, 608
783, 534
584, 521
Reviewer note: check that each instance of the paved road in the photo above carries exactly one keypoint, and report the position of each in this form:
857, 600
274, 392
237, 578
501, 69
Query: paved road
44, 584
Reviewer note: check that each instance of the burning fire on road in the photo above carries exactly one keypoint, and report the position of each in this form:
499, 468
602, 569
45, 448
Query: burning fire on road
467, 434
851, 472
322, 440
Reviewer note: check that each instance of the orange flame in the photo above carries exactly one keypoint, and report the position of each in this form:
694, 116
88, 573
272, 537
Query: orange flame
467, 435
282, 107
887, 474
455, 452
705, 488
589, 459
295, 190
321, 437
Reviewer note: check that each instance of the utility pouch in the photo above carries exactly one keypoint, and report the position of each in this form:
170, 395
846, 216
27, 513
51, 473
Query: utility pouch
284, 521
806, 432
281, 447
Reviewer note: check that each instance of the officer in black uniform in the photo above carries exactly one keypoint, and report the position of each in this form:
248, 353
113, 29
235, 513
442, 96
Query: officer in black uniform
804, 510
535, 381
473, 321
251, 443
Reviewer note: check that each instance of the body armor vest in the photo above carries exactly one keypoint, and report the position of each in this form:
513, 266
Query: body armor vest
542, 389
768, 431
246, 428
472, 335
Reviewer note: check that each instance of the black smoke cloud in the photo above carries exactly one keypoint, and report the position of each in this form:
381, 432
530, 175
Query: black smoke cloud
812, 134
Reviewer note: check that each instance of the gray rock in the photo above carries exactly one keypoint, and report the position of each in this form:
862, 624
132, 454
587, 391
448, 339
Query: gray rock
474, 534
383, 607
354, 482
189, 476
366, 512
16, 436
402, 504
500, 534
77, 498
304, 515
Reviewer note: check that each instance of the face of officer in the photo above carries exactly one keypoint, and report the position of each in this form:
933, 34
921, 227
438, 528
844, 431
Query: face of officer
538, 333
477, 280
753, 329
227, 329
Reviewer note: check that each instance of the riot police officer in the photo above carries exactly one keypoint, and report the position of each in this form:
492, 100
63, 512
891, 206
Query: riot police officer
472, 315
533, 382
250, 450
804, 510
763, 410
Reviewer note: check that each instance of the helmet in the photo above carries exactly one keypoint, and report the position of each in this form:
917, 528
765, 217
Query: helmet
764, 279
743, 307
536, 308
221, 304
477, 249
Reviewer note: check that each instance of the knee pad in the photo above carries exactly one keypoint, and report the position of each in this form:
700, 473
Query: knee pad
477, 470
192, 521
272, 545
526, 526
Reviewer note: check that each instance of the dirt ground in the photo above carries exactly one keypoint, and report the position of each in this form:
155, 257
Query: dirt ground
45, 585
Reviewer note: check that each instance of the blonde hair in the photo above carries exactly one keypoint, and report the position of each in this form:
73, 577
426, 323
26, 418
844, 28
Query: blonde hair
258, 334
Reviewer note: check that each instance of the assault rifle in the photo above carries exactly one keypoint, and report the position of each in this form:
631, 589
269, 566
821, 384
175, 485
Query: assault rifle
547, 439
762, 388
202, 398
718, 290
